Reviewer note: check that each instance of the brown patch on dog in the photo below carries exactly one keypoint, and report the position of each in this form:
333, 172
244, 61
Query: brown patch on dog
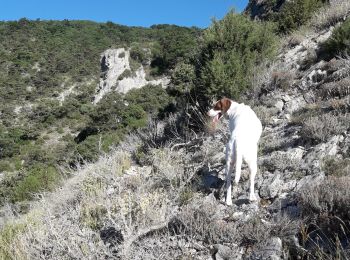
223, 105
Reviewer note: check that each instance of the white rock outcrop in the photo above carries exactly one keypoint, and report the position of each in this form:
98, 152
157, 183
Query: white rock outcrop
113, 63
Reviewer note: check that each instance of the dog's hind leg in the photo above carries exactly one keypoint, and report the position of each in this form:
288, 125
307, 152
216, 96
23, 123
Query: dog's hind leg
253, 168
238, 159
229, 166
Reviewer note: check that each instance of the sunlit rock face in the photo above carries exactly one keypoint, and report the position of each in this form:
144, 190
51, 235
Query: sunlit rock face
114, 62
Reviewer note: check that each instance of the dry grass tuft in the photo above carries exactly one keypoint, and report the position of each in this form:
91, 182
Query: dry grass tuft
330, 15
321, 128
325, 207
338, 89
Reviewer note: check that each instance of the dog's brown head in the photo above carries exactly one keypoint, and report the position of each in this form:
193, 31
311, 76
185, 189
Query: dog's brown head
219, 109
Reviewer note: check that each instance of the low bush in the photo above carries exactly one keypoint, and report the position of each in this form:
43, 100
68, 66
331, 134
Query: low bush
92, 215
266, 114
335, 90
318, 124
336, 167
39, 178
281, 80
153, 99
8, 236
295, 13
338, 43
325, 208
322, 127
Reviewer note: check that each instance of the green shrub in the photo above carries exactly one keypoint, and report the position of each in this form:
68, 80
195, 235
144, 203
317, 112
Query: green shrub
134, 117
338, 43
34, 153
5, 166
175, 43
109, 139
40, 177
295, 13
152, 99
106, 115
89, 149
182, 79
140, 54
231, 49
126, 74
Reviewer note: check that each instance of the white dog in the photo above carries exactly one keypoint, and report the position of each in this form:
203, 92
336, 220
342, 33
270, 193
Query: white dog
245, 131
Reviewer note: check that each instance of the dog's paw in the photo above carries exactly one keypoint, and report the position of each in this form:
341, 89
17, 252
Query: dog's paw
252, 197
229, 202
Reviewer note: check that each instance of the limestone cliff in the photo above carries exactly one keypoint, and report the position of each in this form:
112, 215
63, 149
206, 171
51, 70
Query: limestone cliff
117, 74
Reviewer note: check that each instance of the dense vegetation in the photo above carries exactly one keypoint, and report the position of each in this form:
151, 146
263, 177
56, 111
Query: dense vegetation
39, 130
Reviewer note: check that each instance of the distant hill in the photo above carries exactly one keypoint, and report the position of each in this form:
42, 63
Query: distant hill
49, 75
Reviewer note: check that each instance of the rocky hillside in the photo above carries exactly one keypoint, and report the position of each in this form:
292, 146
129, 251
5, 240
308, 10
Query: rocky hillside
159, 194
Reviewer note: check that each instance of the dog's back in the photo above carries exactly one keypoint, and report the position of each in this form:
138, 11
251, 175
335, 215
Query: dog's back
245, 126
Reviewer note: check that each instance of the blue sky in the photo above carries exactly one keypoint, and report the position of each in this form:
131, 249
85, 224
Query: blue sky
127, 12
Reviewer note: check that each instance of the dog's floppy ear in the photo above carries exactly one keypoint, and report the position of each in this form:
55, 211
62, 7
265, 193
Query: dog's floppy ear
225, 104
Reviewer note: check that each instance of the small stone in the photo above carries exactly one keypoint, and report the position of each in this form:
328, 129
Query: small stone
272, 250
110, 191
279, 105
222, 252
286, 98
294, 104
287, 116
315, 179
271, 186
